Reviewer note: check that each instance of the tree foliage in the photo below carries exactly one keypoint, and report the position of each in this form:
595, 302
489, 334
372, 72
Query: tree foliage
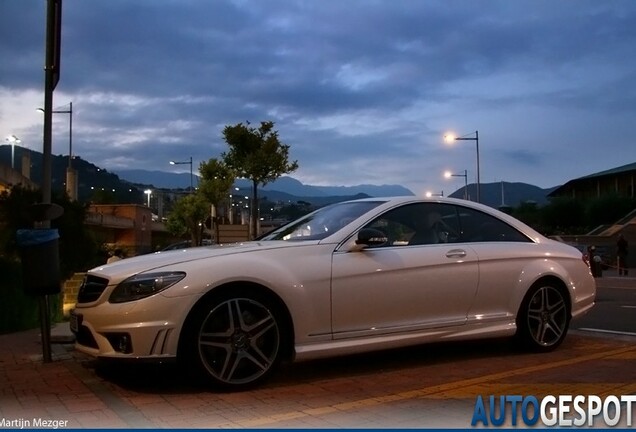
258, 155
567, 215
608, 209
188, 215
216, 181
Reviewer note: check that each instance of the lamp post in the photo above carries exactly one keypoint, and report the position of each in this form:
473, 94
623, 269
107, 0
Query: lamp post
449, 174
148, 192
13, 140
451, 138
71, 180
184, 163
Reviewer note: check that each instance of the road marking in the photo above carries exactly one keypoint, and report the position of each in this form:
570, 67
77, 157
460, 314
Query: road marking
432, 392
628, 307
608, 331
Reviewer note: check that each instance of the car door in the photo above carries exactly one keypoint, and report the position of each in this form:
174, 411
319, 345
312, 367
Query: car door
504, 254
404, 286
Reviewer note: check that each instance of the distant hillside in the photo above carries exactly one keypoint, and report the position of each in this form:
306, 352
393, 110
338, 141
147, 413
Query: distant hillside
510, 194
284, 184
92, 179
128, 185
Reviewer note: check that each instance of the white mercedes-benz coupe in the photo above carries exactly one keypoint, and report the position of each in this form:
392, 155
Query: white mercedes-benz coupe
351, 277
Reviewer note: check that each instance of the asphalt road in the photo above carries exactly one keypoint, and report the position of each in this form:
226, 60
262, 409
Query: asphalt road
615, 309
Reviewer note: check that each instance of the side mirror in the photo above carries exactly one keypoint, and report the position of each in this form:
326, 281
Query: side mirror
371, 237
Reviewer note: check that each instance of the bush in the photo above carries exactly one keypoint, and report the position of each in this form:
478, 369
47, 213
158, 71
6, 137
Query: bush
19, 311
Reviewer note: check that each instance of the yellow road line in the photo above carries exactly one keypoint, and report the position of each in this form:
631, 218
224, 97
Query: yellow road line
441, 389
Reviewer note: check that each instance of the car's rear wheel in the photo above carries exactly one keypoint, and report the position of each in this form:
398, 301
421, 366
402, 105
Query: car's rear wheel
544, 318
236, 340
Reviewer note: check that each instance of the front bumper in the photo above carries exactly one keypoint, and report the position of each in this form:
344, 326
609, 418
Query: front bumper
147, 328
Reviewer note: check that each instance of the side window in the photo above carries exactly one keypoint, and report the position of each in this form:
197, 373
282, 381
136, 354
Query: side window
481, 227
418, 224
395, 224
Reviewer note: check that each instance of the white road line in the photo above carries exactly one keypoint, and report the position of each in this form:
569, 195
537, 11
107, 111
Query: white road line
608, 331
628, 307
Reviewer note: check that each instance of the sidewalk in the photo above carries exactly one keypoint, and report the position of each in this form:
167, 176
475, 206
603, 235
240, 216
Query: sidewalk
428, 386
610, 278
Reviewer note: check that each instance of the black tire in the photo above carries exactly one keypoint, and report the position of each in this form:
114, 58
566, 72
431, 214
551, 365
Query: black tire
234, 340
544, 318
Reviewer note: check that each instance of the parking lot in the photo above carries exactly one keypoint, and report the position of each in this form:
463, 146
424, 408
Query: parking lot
425, 387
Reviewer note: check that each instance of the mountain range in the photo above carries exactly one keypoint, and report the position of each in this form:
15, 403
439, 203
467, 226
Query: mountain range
290, 189
128, 185
285, 184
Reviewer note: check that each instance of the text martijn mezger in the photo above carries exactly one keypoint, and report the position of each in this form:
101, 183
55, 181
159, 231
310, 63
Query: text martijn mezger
22, 423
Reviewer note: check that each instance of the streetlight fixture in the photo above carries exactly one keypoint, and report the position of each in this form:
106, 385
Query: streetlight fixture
449, 174
71, 180
184, 163
13, 140
450, 138
148, 192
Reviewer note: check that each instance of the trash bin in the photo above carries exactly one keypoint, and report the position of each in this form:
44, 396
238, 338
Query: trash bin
39, 251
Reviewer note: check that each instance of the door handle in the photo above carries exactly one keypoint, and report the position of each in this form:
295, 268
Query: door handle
456, 253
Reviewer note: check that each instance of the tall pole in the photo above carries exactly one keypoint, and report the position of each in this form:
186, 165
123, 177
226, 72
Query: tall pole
51, 77
466, 185
476, 139
13, 140
70, 135
478, 179
182, 163
191, 189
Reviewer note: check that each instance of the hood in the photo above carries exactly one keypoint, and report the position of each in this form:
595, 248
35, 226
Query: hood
151, 261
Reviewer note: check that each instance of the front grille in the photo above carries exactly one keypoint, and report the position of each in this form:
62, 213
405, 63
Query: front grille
92, 287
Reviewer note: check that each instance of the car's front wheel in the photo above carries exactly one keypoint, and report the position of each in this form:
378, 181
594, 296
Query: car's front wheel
235, 340
544, 318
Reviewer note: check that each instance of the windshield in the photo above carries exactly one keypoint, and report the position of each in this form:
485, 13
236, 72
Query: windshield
323, 222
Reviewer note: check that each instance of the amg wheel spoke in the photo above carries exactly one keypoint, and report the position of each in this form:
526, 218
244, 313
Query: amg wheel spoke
231, 362
220, 340
546, 316
557, 308
239, 341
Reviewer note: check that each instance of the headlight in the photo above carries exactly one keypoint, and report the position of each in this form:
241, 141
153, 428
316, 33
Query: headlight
144, 285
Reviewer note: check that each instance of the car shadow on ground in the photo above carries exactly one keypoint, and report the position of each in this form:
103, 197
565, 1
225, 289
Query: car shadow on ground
169, 378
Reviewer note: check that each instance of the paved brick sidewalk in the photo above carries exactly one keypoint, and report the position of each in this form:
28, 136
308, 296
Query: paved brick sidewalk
430, 387
424, 387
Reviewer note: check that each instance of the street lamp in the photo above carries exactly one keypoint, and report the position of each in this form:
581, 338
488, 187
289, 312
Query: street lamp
13, 140
71, 181
449, 174
148, 192
431, 194
451, 138
184, 163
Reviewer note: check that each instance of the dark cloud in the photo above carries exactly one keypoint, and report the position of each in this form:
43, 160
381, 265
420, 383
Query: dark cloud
362, 90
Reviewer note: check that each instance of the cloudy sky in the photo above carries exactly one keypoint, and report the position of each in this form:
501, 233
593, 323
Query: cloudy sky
363, 91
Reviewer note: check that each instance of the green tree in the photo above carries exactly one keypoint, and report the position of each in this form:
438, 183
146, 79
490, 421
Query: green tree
216, 180
608, 209
258, 155
188, 216
529, 213
563, 216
